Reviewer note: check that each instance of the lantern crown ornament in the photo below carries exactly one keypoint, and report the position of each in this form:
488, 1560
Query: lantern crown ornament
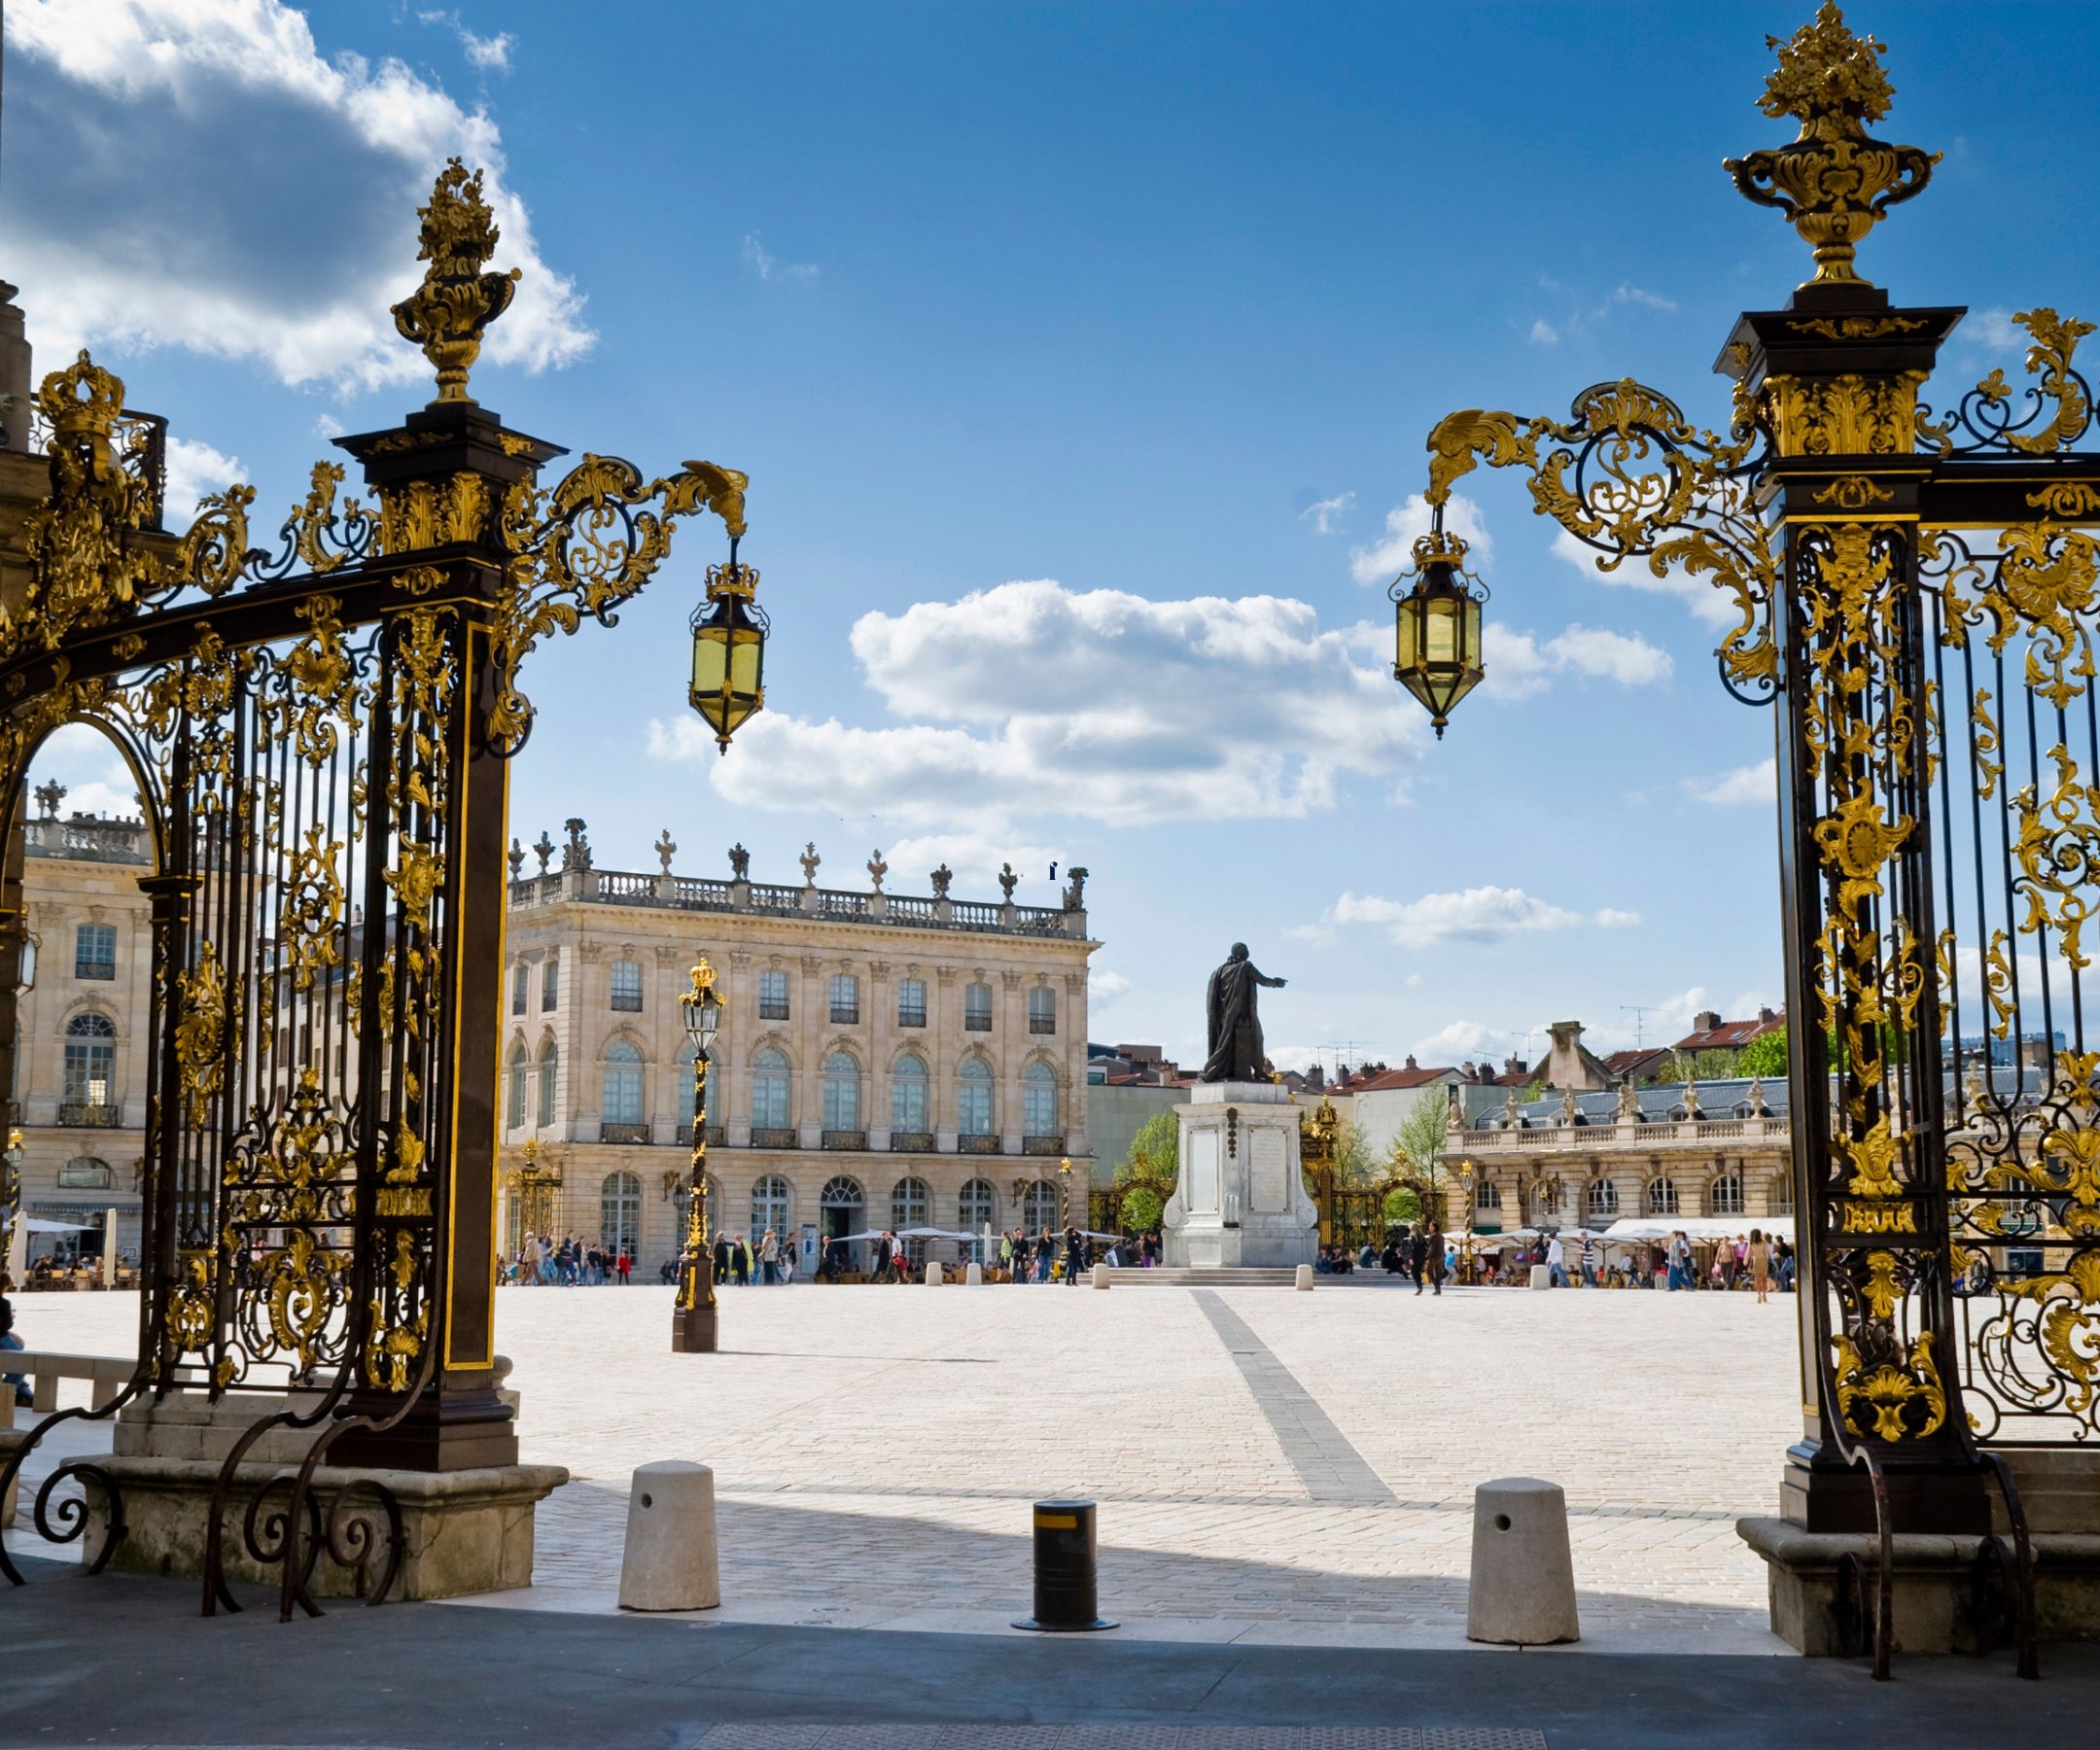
703, 1008
447, 314
1833, 183
728, 651
1437, 624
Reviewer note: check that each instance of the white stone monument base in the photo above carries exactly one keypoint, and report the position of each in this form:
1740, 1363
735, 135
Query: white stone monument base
1240, 1197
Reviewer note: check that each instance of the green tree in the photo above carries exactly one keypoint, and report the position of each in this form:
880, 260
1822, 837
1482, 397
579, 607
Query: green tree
1140, 1211
1764, 1056
1705, 1065
1417, 1154
1153, 1159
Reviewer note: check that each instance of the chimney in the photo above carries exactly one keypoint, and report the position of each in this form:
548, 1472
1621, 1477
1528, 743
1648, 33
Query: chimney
1411, 1063
1765, 1017
1705, 1021
1514, 1066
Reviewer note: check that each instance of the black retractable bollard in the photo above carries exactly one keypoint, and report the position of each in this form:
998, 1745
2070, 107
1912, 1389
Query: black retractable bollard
1064, 1597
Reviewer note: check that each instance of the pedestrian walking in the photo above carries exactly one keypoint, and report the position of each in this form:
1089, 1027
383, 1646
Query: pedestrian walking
1075, 1249
1437, 1260
1418, 1257
1555, 1263
1760, 1261
769, 1257
625, 1264
1046, 1255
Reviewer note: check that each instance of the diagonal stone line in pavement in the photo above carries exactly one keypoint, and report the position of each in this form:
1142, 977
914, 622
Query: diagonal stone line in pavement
1327, 1464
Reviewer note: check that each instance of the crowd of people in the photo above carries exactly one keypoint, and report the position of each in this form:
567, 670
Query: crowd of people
544, 1262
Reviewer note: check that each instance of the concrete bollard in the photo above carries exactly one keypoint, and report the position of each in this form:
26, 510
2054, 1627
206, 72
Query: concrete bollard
973, 1276
1541, 1277
671, 1561
1101, 1275
1303, 1281
932, 1274
1523, 1592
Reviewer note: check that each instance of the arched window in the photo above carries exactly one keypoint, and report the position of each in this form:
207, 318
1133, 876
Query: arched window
1039, 1207
909, 1204
620, 1211
91, 1060
840, 1207
627, 985
622, 1082
1545, 1206
1042, 1010
908, 1104
1603, 1200
1782, 1192
1725, 1196
1661, 1196
1486, 1195
84, 1172
974, 1098
549, 1076
771, 1108
515, 1087
1039, 1101
841, 1092
770, 1199
975, 1207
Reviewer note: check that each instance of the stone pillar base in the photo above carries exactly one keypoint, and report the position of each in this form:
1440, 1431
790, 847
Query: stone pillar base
695, 1330
464, 1532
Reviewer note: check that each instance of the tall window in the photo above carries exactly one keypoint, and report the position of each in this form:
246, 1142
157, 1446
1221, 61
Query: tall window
1603, 1200
549, 1077
770, 1105
769, 1203
94, 951
84, 1172
1486, 1195
772, 995
845, 999
908, 1096
1725, 1197
1039, 1207
1782, 1192
841, 1093
515, 1087
1042, 1010
974, 1207
623, 1083
1662, 1197
519, 975
91, 1060
977, 1008
550, 981
627, 985
620, 1211
908, 1202
911, 1002
974, 1098
1039, 1101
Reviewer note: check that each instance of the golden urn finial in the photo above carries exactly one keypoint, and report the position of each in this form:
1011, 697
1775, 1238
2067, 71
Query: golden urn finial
448, 313
1835, 182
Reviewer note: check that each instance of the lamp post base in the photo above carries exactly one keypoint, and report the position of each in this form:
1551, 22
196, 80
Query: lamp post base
693, 1327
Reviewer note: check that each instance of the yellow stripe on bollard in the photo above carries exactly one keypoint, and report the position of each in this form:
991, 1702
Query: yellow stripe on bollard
1056, 1522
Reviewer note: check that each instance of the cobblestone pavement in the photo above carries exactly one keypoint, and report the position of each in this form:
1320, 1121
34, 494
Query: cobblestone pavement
1271, 1466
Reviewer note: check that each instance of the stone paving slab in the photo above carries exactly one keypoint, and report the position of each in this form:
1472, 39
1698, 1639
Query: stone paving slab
877, 1449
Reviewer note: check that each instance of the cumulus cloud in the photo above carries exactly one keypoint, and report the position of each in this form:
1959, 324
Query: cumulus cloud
488, 53
1482, 914
194, 173
97, 780
975, 858
1459, 1040
762, 262
1327, 515
195, 468
1755, 782
1520, 664
1405, 524
1707, 601
1104, 987
1031, 699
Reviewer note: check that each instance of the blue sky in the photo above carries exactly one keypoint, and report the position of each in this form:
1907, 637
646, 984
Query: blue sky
1079, 356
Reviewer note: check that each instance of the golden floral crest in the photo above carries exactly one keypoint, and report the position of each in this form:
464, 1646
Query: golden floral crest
1826, 70
447, 315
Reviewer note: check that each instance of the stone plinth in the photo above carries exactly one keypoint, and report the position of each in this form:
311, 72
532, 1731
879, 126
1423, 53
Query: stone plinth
1240, 1197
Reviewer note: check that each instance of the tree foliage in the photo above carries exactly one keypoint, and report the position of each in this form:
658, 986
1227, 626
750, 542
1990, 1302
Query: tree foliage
1764, 1056
1154, 1152
1140, 1211
1417, 1149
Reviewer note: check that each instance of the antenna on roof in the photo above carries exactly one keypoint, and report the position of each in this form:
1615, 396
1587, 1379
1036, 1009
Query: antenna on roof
1639, 1015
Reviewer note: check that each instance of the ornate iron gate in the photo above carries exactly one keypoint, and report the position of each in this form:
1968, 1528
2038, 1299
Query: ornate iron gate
320, 738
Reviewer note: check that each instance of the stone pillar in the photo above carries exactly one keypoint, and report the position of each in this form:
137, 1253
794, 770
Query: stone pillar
1240, 1196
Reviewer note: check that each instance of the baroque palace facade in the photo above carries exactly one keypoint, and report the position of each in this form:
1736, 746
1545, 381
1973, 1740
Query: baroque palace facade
884, 1061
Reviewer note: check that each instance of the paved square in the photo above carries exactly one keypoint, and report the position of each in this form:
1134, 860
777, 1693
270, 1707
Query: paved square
1270, 1465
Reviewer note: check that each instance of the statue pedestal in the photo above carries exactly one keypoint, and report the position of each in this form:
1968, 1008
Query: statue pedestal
1240, 1197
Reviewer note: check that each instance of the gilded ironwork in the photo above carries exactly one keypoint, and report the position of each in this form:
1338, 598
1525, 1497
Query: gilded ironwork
447, 314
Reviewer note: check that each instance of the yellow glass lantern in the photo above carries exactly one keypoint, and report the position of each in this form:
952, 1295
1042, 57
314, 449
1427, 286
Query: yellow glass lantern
1437, 626
729, 651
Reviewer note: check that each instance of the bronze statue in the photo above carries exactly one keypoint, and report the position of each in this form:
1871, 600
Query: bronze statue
1235, 1036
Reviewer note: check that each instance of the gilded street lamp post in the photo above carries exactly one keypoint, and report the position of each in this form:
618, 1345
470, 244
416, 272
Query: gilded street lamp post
693, 1317
10, 1199
1915, 592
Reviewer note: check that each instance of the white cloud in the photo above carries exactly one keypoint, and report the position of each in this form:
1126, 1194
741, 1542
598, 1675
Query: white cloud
97, 780
1647, 300
1459, 1040
1518, 665
1707, 601
1482, 914
1610, 918
326, 425
1755, 782
1995, 330
1031, 699
1328, 512
193, 173
1405, 524
762, 262
195, 468
1544, 333
1104, 988
482, 51
975, 858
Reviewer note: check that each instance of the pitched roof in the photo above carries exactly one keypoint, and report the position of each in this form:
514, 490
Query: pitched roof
1623, 1064
1403, 1078
1731, 1033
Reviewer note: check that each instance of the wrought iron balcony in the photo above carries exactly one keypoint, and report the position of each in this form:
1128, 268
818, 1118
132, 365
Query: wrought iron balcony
770, 1137
608, 1132
911, 1141
1042, 1024
845, 1139
979, 1145
83, 1114
1043, 1145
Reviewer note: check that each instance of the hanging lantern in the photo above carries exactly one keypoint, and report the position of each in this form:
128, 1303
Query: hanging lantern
728, 651
1437, 626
